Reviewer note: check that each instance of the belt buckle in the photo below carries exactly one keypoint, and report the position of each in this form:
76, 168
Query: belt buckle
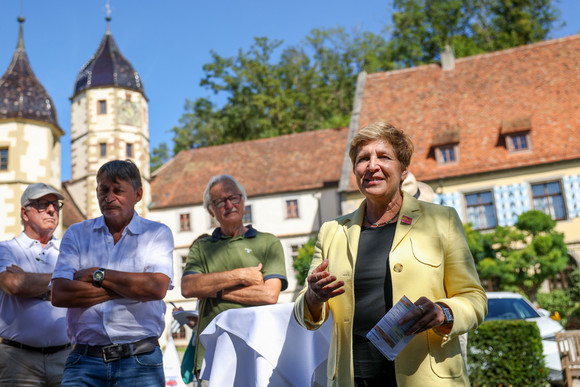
111, 353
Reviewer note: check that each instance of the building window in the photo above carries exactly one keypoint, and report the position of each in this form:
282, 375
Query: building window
247, 214
129, 150
548, 199
184, 223
102, 106
103, 149
448, 154
480, 210
518, 142
4, 159
294, 251
292, 208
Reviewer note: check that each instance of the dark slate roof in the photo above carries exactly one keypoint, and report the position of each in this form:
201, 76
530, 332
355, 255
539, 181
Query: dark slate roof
108, 67
21, 94
289, 163
535, 88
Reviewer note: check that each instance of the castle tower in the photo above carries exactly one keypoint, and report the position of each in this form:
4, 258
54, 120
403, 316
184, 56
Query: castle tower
109, 121
29, 138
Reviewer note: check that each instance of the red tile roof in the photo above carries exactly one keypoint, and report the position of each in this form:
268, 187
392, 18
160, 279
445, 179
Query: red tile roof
287, 163
484, 96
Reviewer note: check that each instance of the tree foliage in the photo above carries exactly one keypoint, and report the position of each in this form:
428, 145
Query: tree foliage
302, 263
522, 256
270, 89
422, 28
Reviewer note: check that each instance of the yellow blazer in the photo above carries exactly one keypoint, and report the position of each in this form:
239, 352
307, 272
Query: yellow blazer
430, 258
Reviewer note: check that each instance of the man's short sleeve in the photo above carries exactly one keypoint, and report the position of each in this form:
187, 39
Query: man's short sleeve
274, 265
194, 264
7, 258
68, 262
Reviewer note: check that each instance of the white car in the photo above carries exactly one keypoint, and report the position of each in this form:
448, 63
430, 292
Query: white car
513, 306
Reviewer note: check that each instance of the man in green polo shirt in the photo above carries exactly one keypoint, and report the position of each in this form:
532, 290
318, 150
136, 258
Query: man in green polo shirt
236, 266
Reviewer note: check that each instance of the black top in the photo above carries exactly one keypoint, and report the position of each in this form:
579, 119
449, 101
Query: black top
373, 297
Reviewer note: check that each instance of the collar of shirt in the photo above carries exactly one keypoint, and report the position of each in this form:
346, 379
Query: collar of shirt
135, 226
217, 233
26, 241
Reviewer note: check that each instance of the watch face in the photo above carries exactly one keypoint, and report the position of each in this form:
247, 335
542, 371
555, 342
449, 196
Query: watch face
99, 275
129, 113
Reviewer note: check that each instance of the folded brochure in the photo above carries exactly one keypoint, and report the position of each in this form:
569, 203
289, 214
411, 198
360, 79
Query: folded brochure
388, 336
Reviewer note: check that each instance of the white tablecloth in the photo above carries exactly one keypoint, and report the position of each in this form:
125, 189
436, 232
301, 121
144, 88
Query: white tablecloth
264, 346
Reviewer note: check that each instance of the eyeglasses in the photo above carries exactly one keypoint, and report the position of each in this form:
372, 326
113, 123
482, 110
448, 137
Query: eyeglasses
234, 199
42, 205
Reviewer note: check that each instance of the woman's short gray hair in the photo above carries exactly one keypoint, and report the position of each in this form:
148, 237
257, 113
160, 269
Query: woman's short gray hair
382, 131
218, 179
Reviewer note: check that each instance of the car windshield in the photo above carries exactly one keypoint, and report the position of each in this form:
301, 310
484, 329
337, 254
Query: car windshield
509, 309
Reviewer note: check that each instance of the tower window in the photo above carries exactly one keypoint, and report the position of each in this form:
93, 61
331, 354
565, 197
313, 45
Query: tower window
129, 150
4, 159
102, 106
103, 149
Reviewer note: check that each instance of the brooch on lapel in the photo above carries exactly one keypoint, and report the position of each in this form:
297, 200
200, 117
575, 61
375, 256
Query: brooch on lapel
406, 220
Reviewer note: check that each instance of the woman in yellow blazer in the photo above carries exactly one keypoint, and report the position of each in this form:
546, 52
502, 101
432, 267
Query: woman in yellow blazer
392, 246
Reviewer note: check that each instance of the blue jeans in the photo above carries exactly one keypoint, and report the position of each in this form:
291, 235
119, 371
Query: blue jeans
140, 370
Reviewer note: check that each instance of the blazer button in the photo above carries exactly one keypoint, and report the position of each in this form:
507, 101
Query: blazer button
398, 268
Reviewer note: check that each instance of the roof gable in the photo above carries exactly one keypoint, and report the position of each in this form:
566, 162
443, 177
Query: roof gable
289, 163
481, 99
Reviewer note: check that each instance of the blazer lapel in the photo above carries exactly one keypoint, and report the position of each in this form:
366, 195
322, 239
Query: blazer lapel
352, 228
410, 214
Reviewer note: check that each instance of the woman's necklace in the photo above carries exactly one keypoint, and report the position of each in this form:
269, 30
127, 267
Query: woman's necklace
383, 223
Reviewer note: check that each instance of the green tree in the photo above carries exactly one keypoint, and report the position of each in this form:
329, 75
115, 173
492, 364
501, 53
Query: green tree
270, 91
522, 256
422, 28
302, 263
159, 156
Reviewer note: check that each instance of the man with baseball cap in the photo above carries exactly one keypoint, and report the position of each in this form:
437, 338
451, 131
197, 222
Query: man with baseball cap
34, 344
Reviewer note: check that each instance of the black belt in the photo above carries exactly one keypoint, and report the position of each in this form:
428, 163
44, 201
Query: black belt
46, 350
114, 352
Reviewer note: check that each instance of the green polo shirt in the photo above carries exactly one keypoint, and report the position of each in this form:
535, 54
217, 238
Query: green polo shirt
219, 253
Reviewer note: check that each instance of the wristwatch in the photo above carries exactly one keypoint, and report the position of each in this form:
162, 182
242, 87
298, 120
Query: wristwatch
98, 276
447, 312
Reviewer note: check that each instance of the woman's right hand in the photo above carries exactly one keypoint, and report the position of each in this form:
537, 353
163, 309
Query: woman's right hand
321, 287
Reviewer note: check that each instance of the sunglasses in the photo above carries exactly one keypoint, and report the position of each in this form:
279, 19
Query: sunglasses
42, 205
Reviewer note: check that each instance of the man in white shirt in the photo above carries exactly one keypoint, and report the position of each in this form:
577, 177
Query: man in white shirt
112, 274
33, 332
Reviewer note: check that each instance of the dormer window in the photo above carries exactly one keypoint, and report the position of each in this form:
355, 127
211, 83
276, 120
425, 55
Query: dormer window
518, 142
515, 134
445, 145
448, 154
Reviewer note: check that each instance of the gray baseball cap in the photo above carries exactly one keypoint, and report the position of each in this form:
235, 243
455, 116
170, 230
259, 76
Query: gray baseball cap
36, 191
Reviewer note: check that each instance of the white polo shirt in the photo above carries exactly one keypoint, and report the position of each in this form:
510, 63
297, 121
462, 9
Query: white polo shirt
145, 247
31, 321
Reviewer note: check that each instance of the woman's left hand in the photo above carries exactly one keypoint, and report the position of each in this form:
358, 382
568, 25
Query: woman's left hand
429, 314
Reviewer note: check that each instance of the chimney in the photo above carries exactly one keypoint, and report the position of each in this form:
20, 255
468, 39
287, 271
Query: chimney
447, 59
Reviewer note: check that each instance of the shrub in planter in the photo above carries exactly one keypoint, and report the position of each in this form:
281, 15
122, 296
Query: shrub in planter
506, 353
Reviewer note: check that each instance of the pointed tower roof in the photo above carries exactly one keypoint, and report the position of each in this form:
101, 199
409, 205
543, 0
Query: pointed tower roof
21, 94
108, 67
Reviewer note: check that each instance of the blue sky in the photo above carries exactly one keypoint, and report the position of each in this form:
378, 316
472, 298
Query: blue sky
169, 41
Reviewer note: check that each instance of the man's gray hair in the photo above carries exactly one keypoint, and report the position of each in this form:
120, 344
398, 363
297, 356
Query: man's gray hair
218, 179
